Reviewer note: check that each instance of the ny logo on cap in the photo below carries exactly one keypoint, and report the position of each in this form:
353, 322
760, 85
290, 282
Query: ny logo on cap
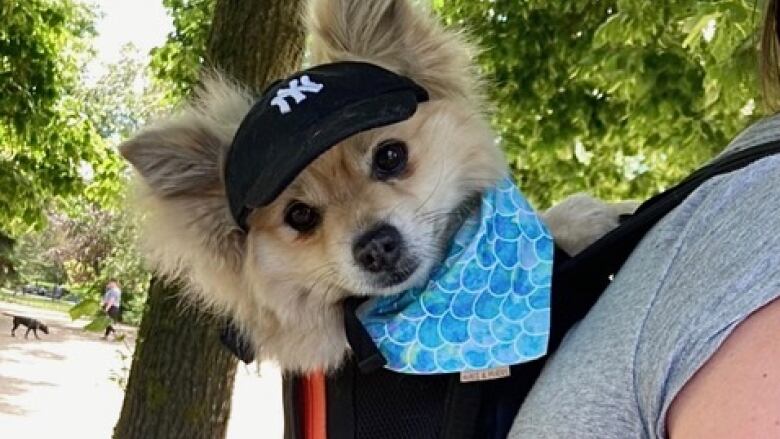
295, 90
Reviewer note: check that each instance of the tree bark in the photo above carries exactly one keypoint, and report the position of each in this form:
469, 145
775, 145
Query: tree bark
181, 379
256, 41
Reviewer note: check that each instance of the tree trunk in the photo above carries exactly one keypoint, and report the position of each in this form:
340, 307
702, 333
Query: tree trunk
256, 41
181, 380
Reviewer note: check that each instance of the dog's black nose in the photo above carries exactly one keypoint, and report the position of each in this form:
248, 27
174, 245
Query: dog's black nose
379, 249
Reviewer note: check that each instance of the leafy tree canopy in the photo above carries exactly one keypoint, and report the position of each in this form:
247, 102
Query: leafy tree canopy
46, 137
89, 234
621, 97
177, 62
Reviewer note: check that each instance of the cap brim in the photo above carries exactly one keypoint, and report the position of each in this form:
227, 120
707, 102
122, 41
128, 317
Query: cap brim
323, 135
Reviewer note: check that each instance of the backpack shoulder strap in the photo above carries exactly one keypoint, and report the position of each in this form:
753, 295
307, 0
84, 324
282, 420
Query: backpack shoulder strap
589, 272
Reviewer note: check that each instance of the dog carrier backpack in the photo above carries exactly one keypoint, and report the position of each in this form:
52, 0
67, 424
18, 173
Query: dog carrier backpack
362, 400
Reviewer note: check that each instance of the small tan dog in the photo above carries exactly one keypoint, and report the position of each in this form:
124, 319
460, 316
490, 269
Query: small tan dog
284, 279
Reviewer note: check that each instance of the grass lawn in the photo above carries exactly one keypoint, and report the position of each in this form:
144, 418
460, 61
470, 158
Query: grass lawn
34, 301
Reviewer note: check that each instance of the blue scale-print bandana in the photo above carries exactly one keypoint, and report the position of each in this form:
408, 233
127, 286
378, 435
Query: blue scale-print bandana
486, 306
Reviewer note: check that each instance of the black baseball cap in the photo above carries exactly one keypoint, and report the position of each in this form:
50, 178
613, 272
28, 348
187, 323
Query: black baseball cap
301, 117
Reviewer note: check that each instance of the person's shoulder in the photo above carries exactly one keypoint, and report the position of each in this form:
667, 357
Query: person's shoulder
736, 392
764, 130
723, 258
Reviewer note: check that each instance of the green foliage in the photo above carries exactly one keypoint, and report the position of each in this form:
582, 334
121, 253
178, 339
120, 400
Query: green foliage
7, 269
118, 115
34, 261
85, 308
91, 236
178, 61
96, 245
99, 324
39, 44
115, 117
45, 137
621, 98
83, 250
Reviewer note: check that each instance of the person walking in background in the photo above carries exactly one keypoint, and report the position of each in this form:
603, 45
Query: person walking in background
111, 304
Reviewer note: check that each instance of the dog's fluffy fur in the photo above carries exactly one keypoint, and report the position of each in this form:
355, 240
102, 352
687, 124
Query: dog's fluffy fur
284, 288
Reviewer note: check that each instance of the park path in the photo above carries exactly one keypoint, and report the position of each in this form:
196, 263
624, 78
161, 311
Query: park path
61, 386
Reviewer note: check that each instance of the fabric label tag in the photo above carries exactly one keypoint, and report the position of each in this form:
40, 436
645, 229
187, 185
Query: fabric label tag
484, 375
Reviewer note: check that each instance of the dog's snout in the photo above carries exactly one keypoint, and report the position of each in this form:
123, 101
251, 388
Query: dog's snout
379, 249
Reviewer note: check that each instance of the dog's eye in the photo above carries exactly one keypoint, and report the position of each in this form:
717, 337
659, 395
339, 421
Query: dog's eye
301, 217
390, 159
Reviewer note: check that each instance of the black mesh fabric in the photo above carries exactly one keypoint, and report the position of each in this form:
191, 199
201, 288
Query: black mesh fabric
399, 406
386, 405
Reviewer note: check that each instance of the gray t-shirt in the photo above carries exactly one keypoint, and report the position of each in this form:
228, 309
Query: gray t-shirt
113, 295
701, 271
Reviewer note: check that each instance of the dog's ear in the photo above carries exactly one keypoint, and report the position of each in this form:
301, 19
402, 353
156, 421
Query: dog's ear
397, 36
190, 231
182, 156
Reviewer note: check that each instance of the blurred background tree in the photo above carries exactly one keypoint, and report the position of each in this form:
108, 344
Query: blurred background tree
620, 98
178, 61
64, 187
46, 139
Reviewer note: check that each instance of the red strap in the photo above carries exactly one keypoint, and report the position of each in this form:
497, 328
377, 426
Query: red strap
314, 407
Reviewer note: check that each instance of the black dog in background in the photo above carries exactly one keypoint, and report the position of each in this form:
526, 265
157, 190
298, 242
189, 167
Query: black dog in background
31, 325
